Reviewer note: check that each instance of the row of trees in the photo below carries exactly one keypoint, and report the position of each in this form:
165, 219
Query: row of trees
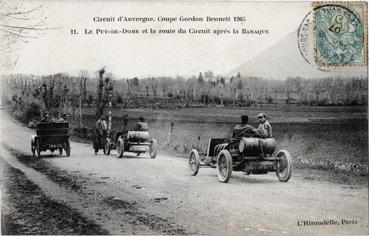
68, 94
207, 88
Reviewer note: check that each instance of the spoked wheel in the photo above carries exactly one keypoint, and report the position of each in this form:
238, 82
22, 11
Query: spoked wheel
194, 162
120, 148
96, 145
224, 166
33, 149
107, 147
153, 149
102, 145
67, 148
284, 166
38, 148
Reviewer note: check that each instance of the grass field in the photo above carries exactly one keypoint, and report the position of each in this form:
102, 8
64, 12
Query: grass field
321, 137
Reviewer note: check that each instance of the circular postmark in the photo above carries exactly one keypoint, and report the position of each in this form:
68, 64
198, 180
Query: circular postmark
331, 36
304, 35
305, 42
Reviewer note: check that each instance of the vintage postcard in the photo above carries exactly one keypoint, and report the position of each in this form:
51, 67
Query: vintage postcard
184, 117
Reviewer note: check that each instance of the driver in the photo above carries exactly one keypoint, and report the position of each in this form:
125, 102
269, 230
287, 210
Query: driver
46, 117
141, 125
244, 129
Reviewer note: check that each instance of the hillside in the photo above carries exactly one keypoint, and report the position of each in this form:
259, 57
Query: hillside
283, 60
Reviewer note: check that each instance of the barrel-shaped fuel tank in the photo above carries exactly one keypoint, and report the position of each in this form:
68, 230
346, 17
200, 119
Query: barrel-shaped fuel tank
138, 136
257, 146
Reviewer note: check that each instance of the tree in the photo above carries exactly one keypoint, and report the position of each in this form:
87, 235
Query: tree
20, 24
238, 76
99, 105
82, 95
239, 84
200, 79
209, 76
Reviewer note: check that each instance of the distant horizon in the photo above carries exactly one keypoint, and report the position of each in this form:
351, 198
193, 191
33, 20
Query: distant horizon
77, 75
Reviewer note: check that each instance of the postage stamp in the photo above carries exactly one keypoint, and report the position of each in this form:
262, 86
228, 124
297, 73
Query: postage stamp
340, 33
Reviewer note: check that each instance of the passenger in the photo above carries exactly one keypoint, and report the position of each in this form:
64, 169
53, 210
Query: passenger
141, 125
244, 129
46, 117
63, 118
264, 129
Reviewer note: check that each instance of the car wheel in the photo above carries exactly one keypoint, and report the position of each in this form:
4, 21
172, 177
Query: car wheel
153, 148
107, 147
224, 166
38, 148
67, 148
194, 162
284, 166
120, 148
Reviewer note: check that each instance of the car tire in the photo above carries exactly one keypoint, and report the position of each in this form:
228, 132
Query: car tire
153, 148
120, 148
107, 147
284, 166
67, 148
194, 162
38, 148
224, 166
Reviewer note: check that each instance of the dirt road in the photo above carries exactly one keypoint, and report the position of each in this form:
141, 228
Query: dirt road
139, 195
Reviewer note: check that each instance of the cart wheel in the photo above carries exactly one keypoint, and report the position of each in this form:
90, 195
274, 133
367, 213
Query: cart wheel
67, 148
224, 166
107, 147
38, 150
284, 166
194, 162
60, 151
153, 148
120, 148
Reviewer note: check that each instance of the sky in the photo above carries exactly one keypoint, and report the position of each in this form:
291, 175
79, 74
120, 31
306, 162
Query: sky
57, 50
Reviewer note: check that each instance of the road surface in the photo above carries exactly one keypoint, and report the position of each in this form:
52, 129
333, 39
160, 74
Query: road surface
139, 195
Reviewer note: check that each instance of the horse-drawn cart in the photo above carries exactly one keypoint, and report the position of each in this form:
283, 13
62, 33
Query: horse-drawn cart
250, 155
51, 136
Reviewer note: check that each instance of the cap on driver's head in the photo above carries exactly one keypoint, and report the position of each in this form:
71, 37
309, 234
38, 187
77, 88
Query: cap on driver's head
261, 115
244, 119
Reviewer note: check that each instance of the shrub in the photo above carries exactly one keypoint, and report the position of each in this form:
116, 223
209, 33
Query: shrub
33, 111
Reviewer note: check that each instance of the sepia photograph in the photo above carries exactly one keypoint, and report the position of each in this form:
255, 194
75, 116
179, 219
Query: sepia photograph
184, 117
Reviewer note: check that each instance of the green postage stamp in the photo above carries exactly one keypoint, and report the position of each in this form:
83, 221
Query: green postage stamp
340, 30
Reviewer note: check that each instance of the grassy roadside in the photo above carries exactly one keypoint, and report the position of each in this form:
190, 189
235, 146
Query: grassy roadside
26, 210
326, 138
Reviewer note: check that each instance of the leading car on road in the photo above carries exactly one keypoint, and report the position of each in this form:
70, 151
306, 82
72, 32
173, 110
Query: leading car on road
250, 155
